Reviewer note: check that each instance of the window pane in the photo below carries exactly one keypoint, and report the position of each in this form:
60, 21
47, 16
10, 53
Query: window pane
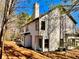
61, 42
40, 43
46, 43
42, 25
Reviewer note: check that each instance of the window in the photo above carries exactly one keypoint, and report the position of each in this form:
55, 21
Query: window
61, 42
73, 42
46, 43
40, 43
42, 25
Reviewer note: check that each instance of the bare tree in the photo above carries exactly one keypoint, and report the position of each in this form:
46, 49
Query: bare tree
7, 12
72, 7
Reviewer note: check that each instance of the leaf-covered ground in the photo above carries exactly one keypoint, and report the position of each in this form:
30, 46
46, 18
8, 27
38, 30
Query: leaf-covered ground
70, 54
12, 51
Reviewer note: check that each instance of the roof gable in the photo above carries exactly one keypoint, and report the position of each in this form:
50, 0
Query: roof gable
62, 10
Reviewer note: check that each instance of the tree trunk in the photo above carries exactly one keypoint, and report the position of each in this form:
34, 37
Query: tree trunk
4, 21
1, 34
7, 12
1, 41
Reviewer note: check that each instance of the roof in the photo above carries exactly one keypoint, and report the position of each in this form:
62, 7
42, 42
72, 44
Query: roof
30, 21
72, 34
77, 38
49, 12
25, 33
70, 17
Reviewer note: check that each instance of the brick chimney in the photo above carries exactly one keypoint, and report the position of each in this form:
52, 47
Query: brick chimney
36, 10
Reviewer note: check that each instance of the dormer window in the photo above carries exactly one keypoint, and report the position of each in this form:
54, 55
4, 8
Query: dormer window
42, 25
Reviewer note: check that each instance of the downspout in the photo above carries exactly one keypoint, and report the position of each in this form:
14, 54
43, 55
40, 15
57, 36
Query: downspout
48, 35
60, 29
24, 40
65, 36
60, 32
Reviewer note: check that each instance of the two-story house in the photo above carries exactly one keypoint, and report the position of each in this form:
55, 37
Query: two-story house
47, 32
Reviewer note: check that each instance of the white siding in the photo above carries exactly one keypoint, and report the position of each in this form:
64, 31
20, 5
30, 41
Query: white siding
44, 33
28, 41
70, 25
33, 32
54, 31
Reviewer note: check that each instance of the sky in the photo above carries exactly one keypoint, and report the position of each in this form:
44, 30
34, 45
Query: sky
44, 6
